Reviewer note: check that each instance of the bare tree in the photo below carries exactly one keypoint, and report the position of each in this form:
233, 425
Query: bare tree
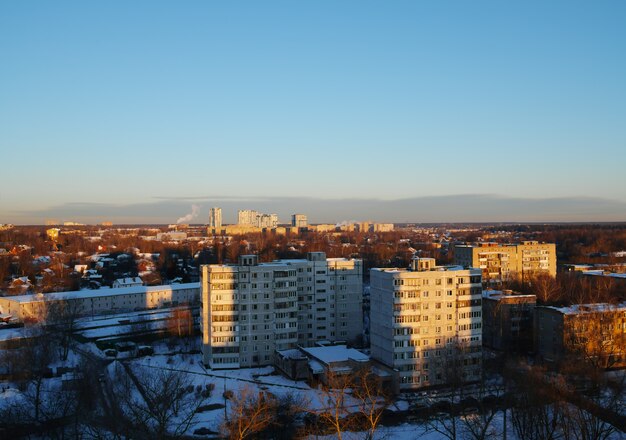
180, 323
595, 337
371, 399
161, 404
336, 401
60, 319
251, 413
538, 411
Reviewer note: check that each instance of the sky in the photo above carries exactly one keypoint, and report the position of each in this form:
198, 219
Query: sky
405, 111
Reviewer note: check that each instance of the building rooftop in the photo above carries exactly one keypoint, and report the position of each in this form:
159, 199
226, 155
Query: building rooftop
335, 353
589, 308
499, 294
451, 268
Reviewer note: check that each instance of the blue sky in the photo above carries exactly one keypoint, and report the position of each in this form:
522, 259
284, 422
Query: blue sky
131, 105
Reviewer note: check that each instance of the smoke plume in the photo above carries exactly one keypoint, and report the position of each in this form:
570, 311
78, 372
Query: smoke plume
193, 214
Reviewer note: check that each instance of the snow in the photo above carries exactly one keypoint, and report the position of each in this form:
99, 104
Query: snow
335, 353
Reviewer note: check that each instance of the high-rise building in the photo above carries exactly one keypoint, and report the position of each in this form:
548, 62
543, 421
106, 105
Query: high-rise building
500, 262
426, 320
252, 309
215, 218
299, 221
247, 217
250, 217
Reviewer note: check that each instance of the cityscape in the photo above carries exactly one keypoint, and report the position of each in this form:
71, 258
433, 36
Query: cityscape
316, 220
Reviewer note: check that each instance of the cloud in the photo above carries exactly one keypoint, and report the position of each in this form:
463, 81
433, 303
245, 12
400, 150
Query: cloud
434, 209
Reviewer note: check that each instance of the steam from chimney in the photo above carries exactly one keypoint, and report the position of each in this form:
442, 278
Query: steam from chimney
345, 223
193, 214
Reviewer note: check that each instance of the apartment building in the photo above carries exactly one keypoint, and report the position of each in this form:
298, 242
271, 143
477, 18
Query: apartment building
595, 333
299, 221
250, 217
215, 218
425, 320
251, 309
508, 320
500, 262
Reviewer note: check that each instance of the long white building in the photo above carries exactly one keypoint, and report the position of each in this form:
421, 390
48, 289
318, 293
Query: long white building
251, 309
426, 319
102, 301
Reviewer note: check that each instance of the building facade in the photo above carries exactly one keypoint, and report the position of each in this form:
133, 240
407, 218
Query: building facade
102, 301
508, 320
500, 262
250, 217
425, 319
299, 221
252, 309
215, 218
594, 333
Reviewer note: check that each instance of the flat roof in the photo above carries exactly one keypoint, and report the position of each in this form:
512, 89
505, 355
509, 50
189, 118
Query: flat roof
335, 353
498, 294
589, 308
98, 293
451, 268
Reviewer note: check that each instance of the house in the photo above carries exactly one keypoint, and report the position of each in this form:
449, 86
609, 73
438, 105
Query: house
127, 282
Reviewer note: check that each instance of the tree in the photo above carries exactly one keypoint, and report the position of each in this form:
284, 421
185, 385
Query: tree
595, 337
538, 411
371, 398
446, 422
60, 320
546, 288
336, 400
181, 322
250, 414
164, 404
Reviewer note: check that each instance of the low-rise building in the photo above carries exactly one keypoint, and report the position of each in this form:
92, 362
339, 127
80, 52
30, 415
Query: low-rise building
95, 302
127, 282
594, 333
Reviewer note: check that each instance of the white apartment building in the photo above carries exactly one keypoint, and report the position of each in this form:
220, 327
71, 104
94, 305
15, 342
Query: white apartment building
426, 319
299, 221
102, 301
247, 217
215, 218
252, 309
250, 217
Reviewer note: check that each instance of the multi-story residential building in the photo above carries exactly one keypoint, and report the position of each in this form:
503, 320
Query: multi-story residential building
252, 309
425, 320
299, 221
500, 262
215, 218
508, 320
267, 221
250, 217
247, 217
594, 333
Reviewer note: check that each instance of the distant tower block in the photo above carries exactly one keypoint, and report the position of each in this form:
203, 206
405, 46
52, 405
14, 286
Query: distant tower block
299, 221
215, 218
